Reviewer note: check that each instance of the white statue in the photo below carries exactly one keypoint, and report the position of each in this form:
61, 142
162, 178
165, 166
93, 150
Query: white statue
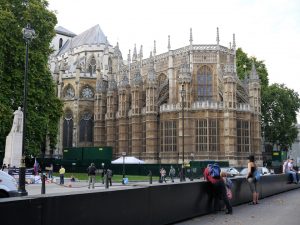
18, 121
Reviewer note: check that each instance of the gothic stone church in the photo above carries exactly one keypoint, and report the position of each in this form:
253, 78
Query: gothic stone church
186, 103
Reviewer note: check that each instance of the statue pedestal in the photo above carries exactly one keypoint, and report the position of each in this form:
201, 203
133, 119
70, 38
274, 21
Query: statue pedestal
13, 149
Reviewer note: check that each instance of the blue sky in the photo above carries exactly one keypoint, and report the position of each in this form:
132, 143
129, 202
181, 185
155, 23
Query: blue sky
266, 29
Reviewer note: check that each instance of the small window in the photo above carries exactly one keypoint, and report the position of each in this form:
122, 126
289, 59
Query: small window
60, 43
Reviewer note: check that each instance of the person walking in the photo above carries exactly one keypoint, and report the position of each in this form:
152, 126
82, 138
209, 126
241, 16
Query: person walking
163, 175
252, 180
92, 175
109, 176
172, 173
62, 172
50, 172
212, 175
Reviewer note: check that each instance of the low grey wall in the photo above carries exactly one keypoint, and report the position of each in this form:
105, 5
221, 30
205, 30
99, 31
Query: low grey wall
149, 205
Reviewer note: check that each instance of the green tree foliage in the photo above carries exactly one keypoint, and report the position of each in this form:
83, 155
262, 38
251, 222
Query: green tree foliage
43, 107
244, 65
279, 114
279, 103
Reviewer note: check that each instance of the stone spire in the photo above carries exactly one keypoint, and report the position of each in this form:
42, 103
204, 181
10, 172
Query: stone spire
218, 37
154, 48
112, 84
129, 57
151, 72
191, 36
233, 42
134, 55
253, 73
141, 52
169, 43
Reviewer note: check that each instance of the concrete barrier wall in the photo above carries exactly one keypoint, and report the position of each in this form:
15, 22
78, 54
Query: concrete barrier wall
149, 205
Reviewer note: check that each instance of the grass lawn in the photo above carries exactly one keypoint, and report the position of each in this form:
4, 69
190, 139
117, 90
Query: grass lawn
116, 177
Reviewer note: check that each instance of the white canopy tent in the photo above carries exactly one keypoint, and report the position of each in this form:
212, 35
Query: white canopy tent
127, 160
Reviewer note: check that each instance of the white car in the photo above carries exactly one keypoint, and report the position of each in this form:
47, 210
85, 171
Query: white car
231, 171
8, 185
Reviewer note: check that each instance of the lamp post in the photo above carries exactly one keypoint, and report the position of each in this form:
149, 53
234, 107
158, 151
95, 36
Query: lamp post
182, 92
123, 154
28, 35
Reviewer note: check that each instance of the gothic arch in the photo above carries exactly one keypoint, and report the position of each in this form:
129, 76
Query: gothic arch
92, 64
86, 127
203, 83
68, 125
69, 91
163, 89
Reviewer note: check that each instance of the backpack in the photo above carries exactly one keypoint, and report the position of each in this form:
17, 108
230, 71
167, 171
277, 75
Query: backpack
214, 170
256, 175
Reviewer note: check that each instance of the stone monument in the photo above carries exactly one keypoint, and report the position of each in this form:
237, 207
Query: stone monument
13, 146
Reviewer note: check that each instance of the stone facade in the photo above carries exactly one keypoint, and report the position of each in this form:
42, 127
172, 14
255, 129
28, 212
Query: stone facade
185, 103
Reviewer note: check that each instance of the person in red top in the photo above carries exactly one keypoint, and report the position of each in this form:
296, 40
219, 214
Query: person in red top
219, 191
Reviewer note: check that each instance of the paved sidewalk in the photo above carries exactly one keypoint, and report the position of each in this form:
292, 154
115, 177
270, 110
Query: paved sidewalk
281, 209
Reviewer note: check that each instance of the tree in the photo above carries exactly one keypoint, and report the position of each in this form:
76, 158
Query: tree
279, 114
279, 104
244, 65
43, 107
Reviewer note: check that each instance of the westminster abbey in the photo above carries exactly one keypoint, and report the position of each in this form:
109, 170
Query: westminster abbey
186, 103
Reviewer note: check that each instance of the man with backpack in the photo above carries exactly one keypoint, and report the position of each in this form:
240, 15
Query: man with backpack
212, 175
92, 174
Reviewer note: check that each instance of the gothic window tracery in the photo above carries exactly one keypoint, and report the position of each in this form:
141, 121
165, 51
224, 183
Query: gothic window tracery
243, 135
204, 82
207, 135
92, 66
68, 129
168, 132
69, 92
86, 127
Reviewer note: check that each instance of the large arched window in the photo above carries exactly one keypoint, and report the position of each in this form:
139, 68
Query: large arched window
68, 129
204, 84
86, 128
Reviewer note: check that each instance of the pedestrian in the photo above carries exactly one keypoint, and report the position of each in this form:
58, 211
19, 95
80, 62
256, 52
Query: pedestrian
172, 173
292, 171
50, 172
3, 167
102, 175
109, 175
62, 172
212, 175
163, 175
92, 175
253, 182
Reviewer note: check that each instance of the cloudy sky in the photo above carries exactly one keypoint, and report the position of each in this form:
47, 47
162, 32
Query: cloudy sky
266, 29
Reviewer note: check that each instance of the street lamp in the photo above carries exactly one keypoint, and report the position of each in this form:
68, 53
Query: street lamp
123, 154
28, 35
182, 92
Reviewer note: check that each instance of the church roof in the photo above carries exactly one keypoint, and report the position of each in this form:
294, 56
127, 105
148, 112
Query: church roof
64, 31
92, 36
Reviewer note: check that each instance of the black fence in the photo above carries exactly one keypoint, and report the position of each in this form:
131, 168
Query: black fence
148, 205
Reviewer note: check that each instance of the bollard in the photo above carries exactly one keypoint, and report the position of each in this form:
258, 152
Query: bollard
43, 191
106, 181
150, 177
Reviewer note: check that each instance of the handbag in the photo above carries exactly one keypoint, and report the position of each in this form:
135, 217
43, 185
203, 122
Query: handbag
229, 193
256, 175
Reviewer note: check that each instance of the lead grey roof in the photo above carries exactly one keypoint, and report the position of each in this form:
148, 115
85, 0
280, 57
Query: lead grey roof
64, 31
91, 36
